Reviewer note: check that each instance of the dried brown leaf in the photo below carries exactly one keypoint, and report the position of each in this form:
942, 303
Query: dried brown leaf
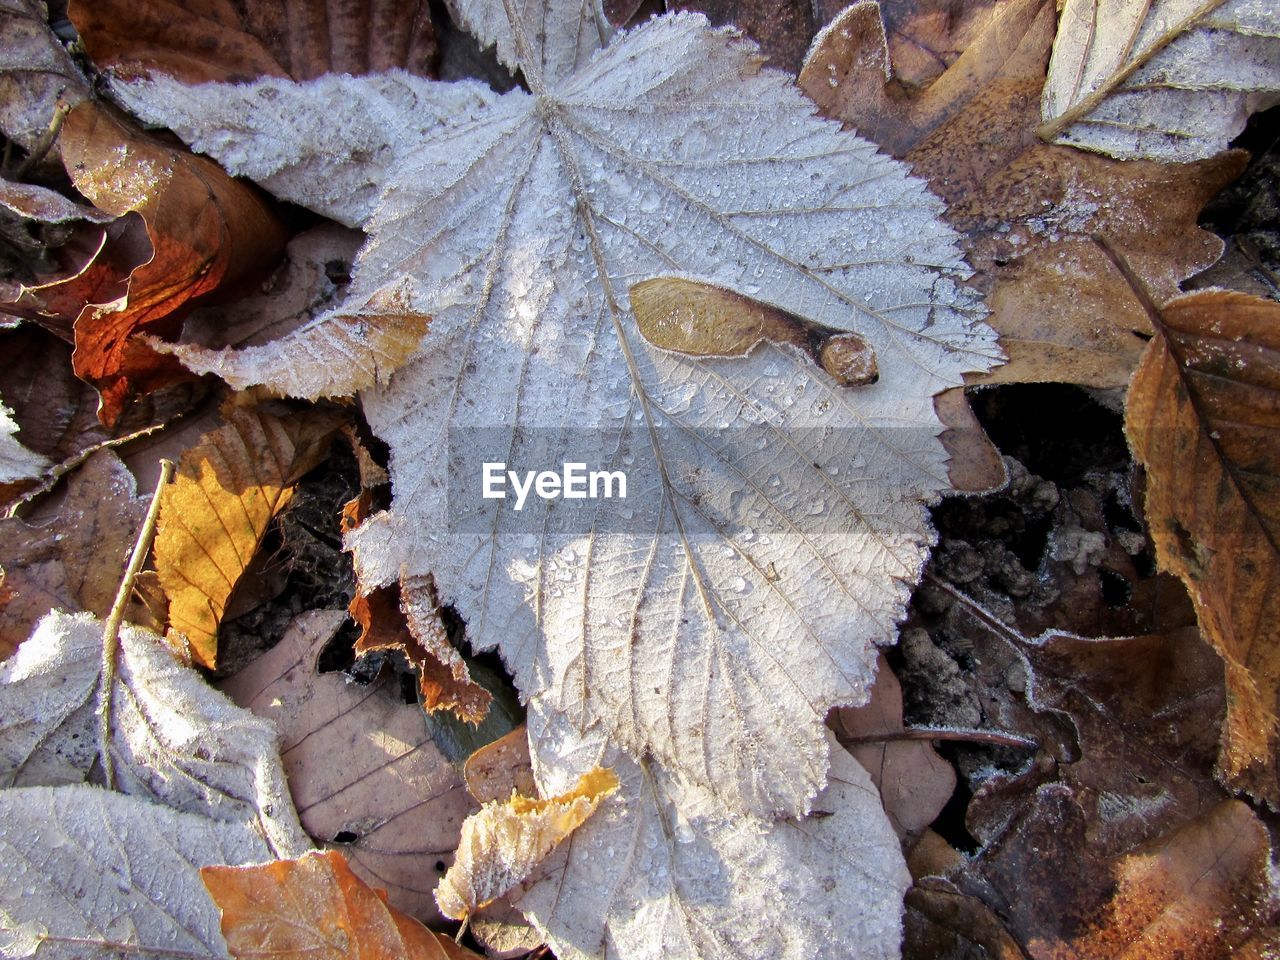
209, 235
74, 560
1026, 209
237, 41
783, 28
1203, 416
35, 72
914, 782
504, 842
394, 805
214, 515
501, 768
315, 908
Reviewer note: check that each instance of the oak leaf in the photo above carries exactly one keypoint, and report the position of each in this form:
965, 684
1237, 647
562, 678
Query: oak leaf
208, 234
1027, 209
315, 908
1202, 415
394, 805
1167, 80
174, 740
214, 515
506, 840
93, 875
74, 560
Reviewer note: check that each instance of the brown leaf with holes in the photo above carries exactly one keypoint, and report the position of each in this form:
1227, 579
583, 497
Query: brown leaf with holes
1203, 417
221, 503
315, 908
394, 804
211, 236
74, 560
1026, 209
235, 41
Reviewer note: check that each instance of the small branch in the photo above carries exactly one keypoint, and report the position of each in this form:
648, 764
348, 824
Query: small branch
995, 737
111, 632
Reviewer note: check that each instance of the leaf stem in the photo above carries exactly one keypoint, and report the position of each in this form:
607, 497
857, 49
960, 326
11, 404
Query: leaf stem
111, 632
997, 737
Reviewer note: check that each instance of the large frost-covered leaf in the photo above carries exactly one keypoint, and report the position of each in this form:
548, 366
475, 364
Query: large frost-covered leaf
175, 741
774, 519
91, 874
1164, 80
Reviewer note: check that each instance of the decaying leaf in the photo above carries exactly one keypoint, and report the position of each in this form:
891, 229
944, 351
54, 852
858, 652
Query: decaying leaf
1027, 209
35, 72
214, 515
1167, 80
1202, 416
174, 741
506, 840
783, 28
444, 682
237, 40
393, 805
74, 560
314, 908
92, 875
501, 768
208, 234
914, 782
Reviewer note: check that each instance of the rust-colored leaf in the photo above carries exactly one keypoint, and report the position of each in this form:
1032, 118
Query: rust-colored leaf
214, 515
1026, 209
315, 908
1203, 416
500, 768
210, 235
74, 560
235, 41
503, 842
394, 804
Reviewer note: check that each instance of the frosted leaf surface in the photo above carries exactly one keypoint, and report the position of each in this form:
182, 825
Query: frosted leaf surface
664, 870
175, 740
16, 461
1166, 80
561, 34
774, 520
91, 874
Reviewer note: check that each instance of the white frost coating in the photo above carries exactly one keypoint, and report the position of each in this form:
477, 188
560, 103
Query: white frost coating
662, 871
327, 144
102, 875
176, 741
16, 461
1170, 80
561, 35
801, 503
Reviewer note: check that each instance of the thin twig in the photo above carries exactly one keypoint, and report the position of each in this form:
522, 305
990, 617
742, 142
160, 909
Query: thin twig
462, 929
997, 737
111, 632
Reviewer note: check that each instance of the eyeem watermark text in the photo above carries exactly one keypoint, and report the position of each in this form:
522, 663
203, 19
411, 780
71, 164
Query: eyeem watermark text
573, 482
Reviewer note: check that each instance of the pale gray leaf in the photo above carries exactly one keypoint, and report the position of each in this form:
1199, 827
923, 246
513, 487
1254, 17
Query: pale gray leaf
90, 874
175, 740
17, 463
664, 871
1166, 80
549, 39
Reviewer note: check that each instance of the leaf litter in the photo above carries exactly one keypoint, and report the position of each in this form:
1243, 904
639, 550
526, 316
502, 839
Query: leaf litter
691, 832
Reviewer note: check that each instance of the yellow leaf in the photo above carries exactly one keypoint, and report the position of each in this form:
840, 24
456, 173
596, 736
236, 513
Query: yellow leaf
503, 842
214, 515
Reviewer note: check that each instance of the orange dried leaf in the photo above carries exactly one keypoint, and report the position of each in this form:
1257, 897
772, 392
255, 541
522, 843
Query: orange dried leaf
214, 515
501, 768
237, 41
209, 233
1203, 416
313, 908
1026, 209
503, 842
